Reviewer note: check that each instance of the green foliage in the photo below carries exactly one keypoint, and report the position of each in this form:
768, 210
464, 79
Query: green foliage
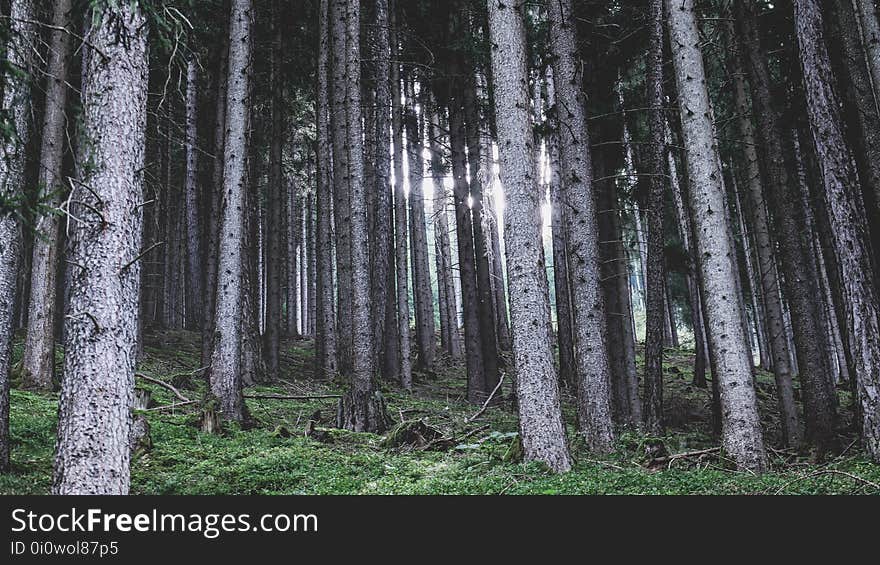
275, 457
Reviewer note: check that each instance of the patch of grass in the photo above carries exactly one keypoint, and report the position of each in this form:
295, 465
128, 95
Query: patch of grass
260, 460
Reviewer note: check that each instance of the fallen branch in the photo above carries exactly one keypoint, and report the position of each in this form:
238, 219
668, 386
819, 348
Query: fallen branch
488, 400
672, 458
164, 385
291, 397
170, 406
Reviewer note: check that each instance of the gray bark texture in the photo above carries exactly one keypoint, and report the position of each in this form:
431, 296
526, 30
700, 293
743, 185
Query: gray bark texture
193, 233
732, 364
94, 418
38, 360
846, 216
325, 339
229, 317
541, 427
582, 234
16, 93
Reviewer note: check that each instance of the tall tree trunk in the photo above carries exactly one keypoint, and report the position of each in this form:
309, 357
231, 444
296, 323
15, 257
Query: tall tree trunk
362, 408
541, 426
476, 382
226, 359
325, 338
561, 279
383, 253
758, 218
445, 273
741, 427
274, 205
582, 236
16, 94
341, 188
870, 28
294, 214
655, 295
846, 217
216, 193
193, 233
94, 417
422, 295
38, 361
485, 299
311, 265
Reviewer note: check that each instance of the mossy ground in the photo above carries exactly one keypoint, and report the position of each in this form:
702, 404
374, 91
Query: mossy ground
274, 457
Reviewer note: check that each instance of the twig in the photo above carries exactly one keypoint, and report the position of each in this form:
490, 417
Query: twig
291, 397
165, 385
169, 406
488, 400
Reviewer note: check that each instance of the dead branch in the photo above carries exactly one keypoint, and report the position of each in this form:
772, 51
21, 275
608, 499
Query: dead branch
164, 385
488, 400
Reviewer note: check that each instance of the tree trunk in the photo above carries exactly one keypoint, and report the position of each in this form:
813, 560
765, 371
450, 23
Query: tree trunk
466, 261
591, 354
226, 359
383, 252
92, 454
655, 294
16, 94
846, 217
485, 299
274, 205
325, 338
193, 233
541, 426
422, 295
870, 28
341, 188
38, 361
362, 408
741, 427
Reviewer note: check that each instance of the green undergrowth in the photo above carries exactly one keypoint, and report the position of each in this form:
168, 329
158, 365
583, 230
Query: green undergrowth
272, 454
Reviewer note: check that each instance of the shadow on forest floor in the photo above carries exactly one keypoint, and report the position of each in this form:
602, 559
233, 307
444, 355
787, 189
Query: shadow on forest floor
472, 457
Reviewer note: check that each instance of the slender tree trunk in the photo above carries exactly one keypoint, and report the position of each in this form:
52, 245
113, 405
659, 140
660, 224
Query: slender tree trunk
847, 219
656, 296
341, 197
485, 299
274, 206
422, 295
226, 360
15, 97
383, 253
741, 427
758, 218
293, 245
466, 261
561, 280
193, 233
92, 455
325, 338
870, 28
591, 354
541, 426
38, 361
312, 289
362, 408
216, 193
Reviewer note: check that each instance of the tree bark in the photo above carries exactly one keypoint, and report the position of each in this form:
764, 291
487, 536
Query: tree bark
16, 94
94, 420
591, 353
325, 338
38, 360
541, 426
741, 428
422, 295
655, 294
362, 407
193, 232
226, 359
847, 218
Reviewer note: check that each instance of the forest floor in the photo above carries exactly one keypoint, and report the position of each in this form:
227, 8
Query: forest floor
467, 456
